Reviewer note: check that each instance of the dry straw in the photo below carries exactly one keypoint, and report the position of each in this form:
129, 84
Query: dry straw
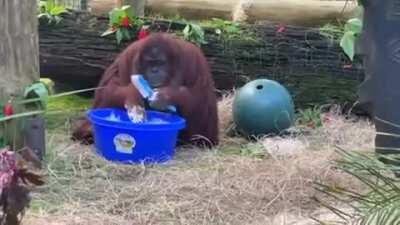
217, 186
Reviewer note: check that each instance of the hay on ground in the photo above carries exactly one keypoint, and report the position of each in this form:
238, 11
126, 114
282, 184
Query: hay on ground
255, 184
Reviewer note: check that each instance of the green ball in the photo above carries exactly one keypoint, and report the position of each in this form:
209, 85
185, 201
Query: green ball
262, 107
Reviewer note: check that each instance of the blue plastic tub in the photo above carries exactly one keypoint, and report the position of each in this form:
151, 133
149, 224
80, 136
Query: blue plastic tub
122, 141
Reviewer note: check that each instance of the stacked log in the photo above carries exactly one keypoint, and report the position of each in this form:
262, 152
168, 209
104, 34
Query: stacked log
313, 67
293, 12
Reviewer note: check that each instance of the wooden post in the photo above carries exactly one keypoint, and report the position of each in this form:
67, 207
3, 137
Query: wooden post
19, 46
138, 6
19, 58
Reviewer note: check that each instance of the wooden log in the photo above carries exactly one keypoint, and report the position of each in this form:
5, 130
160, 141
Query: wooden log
19, 48
100, 7
310, 65
73, 4
193, 9
294, 12
198, 9
73, 52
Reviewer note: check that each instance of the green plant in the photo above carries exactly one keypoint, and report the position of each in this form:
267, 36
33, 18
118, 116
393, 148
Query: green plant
123, 23
346, 34
14, 183
51, 11
379, 203
33, 101
352, 30
37, 90
14, 114
310, 117
227, 29
194, 33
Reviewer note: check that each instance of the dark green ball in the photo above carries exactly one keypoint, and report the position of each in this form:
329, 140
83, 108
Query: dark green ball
262, 107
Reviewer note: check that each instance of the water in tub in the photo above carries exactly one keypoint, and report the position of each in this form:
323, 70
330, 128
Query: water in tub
113, 117
149, 120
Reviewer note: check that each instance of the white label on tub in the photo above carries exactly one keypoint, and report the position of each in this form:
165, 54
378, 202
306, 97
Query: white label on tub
124, 143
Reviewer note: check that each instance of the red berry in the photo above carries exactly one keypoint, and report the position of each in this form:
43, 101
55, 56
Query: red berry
143, 33
8, 109
125, 22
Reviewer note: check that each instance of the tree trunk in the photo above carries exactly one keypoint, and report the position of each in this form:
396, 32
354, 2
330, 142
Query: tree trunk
19, 62
138, 6
19, 49
310, 65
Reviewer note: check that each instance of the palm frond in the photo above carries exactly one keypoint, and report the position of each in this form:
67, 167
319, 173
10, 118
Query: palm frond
380, 203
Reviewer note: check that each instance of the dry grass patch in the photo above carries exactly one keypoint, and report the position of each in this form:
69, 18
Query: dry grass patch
264, 182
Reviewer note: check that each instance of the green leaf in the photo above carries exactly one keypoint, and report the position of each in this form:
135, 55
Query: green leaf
137, 22
42, 15
38, 90
386, 214
232, 29
347, 44
49, 18
194, 33
108, 32
119, 36
42, 6
354, 25
50, 4
197, 29
58, 10
126, 7
116, 16
57, 19
129, 11
218, 22
48, 83
125, 33
199, 33
186, 31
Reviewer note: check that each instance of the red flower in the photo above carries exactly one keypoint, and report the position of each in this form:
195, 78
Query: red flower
143, 33
8, 109
281, 28
125, 22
